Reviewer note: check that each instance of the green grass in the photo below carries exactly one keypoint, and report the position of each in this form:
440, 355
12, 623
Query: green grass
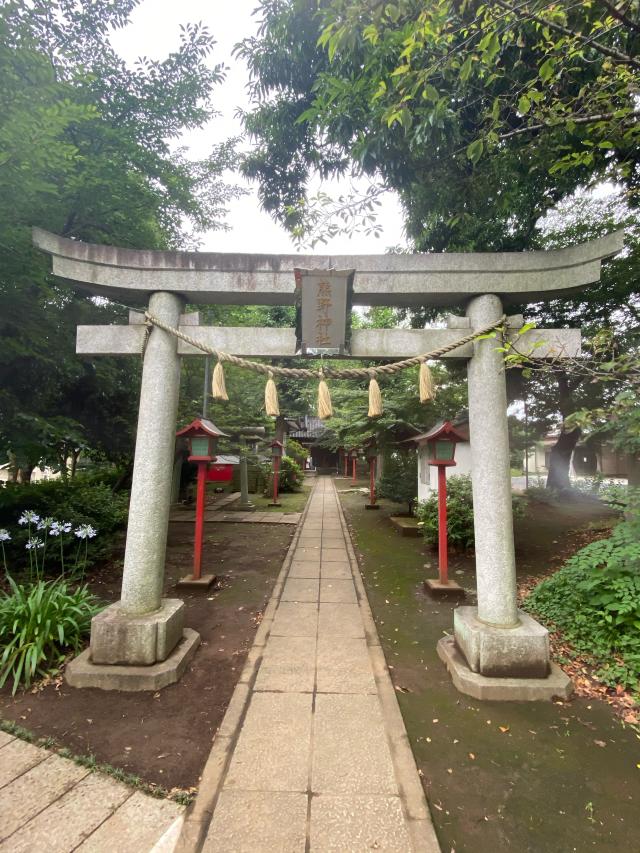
290, 501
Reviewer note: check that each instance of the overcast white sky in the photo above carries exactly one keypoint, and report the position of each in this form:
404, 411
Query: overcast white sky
154, 32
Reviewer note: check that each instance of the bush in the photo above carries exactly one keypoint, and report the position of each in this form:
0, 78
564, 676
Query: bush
84, 500
290, 478
297, 452
459, 513
291, 475
594, 601
399, 480
39, 624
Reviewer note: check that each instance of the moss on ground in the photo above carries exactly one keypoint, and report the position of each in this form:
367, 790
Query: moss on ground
539, 777
290, 501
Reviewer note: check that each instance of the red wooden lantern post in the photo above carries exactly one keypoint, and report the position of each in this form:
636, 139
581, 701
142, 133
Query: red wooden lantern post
353, 455
202, 436
372, 458
441, 442
277, 449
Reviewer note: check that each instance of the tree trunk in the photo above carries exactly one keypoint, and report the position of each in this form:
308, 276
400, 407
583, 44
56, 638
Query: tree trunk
13, 469
75, 455
560, 461
24, 474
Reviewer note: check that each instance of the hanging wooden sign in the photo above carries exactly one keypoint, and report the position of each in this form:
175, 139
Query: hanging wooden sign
324, 304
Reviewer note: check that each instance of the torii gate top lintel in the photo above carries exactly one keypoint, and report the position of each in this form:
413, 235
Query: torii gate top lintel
132, 275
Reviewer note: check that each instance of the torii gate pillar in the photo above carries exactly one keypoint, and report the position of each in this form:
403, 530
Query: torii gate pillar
140, 642
497, 640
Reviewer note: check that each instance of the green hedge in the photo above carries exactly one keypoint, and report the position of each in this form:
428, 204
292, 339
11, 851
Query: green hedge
460, 530
594, 601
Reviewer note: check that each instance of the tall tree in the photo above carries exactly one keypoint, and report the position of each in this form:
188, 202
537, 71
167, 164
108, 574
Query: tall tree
87, 150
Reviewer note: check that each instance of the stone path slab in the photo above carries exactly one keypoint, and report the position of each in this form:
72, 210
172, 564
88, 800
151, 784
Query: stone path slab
312, 755
48, 804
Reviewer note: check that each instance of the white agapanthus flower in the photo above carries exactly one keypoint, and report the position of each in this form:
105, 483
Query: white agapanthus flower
34, 543
59, 527
85, 531
28, 517
45, 523
5, 536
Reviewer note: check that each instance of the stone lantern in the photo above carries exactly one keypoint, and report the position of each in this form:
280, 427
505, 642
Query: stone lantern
202, 436
441, 444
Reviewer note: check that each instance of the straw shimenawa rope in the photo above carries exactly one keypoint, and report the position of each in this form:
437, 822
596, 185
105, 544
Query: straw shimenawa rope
327, 372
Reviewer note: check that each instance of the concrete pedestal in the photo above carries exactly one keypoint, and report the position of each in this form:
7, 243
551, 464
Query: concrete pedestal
556, 683
521, 651
82, 672
451, 589
118, 637
189, 582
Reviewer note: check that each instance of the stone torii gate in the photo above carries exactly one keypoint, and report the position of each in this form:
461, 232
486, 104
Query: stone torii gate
140, 642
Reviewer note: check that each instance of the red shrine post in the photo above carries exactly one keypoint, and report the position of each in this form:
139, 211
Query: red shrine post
353, 455
202, 436
277, 449
372, 458
441, 442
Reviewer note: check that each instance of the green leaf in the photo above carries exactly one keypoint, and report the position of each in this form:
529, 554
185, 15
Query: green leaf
474, 150
547, 70
465, 70
524, 104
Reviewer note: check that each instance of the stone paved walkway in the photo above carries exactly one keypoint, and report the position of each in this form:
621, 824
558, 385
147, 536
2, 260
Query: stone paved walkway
312, 754
48, 804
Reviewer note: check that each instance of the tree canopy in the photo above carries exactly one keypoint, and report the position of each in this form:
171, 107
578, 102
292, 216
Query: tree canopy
481, 115
87, 149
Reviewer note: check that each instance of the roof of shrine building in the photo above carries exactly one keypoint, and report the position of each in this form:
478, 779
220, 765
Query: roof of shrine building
387, 279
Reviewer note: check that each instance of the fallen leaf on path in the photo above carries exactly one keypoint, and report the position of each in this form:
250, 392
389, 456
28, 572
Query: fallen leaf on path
599, 743
503, 729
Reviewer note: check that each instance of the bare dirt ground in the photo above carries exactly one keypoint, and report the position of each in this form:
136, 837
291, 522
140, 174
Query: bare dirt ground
165, 737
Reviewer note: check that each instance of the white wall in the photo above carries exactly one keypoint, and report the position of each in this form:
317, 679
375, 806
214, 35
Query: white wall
428, 474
